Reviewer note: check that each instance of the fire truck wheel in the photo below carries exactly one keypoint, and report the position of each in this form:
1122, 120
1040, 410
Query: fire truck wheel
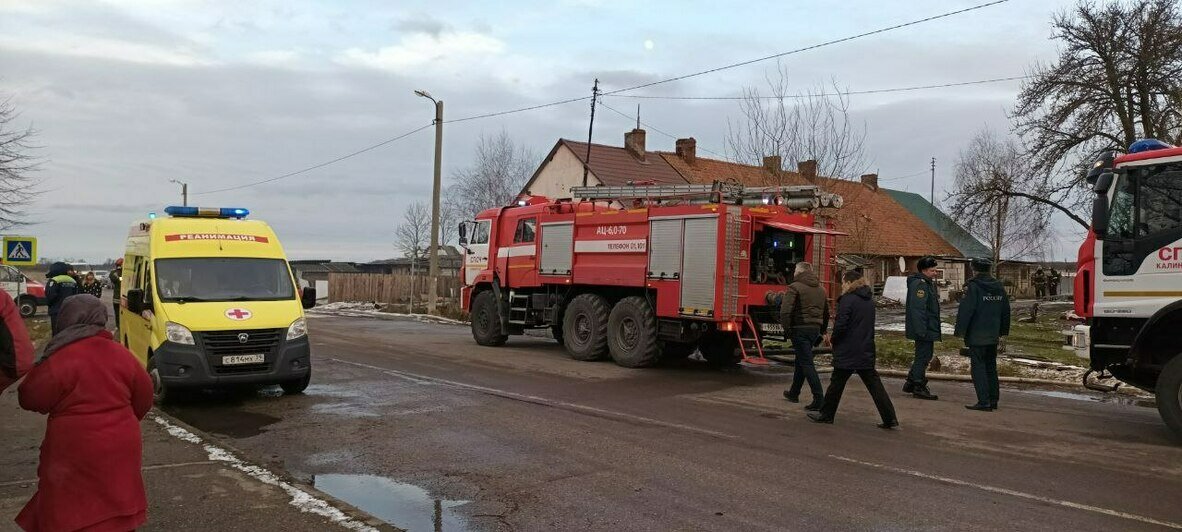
632, 333
677, 350
486, 329
584, 327
1169, 395
719, 349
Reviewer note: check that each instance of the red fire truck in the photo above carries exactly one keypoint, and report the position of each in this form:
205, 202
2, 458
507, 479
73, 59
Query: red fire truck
1129, 282
641, 273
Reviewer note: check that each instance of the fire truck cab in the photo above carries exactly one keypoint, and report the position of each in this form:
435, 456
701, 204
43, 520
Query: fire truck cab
1129, 282
645, 273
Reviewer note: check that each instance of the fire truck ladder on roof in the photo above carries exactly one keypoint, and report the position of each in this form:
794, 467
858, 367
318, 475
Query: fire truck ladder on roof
717, 192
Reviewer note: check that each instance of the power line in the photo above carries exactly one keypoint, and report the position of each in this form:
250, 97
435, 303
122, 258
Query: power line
806, 48
846, 93
321, 165
519, 110
650, 127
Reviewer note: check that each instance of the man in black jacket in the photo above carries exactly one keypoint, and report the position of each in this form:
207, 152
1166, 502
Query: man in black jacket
116, 280
982, 319
854, 352
61, 285
922, 325
804, 313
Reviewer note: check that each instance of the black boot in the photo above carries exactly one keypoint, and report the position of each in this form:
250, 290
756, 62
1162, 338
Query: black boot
908, 386
888, 425
791, 398
921, 391
815, 406
817, 417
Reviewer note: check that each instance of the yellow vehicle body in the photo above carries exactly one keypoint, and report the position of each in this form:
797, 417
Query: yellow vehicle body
211, 301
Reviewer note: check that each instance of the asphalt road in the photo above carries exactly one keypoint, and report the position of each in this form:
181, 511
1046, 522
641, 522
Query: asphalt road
523, 438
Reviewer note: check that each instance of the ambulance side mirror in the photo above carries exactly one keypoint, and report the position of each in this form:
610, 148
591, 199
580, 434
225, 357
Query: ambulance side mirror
308, 297
135, 300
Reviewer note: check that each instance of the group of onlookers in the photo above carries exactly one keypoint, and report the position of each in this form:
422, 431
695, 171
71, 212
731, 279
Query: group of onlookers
982, 318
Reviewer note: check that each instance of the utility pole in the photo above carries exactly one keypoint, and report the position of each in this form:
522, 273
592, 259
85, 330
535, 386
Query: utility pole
184, 192
590, 128
932, 198
433, 273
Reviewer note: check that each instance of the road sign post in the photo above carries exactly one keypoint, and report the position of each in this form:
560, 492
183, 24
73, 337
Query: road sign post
20, 251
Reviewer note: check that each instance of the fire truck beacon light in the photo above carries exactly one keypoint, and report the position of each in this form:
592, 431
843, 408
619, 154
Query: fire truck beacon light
1148, 145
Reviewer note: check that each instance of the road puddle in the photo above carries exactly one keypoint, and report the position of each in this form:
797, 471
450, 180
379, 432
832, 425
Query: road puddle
403, 505
1110, 398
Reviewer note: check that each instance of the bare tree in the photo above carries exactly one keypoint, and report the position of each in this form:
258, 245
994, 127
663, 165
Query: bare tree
17, 186
449, 219
990, 199
500, 171
798, 126
413, 236
1118, 78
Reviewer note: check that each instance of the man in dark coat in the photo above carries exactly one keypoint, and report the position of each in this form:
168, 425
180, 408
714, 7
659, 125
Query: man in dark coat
922, 325
60, 286
853, 352
1053, 283
982, 319
1039, 280
804, 313
116, 280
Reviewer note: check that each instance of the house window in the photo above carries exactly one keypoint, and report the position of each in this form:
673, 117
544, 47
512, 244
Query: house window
525, 231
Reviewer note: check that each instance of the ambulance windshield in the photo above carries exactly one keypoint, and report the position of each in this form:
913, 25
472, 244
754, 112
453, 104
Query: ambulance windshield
223, 279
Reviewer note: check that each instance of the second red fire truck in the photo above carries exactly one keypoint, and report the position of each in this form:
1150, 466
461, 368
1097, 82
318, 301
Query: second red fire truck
644, 273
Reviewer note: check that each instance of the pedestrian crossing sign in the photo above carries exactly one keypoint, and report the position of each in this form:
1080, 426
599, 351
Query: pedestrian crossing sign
20, 250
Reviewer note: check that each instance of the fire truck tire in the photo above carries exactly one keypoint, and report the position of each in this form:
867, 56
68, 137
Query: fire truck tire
584, 327
632, 333
719, 349
1169, 395
672, 351
486, 329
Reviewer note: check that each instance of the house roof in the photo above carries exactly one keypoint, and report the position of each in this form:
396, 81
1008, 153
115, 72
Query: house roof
966, 243
877, 224
614, 165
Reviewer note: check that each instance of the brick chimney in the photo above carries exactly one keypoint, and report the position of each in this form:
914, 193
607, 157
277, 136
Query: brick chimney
687, 149
807, 169
870, 181
634, 143
773, 164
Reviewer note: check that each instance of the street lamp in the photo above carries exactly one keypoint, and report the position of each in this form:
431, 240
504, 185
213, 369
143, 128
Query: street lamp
433, 291
184, 191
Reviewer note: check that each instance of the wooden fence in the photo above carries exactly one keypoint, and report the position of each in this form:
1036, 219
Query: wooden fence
390, 289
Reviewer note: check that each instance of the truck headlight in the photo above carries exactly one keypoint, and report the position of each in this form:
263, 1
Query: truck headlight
298, 329
178, 334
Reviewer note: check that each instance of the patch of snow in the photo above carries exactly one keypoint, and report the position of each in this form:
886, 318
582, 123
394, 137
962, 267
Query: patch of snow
895, 288
302, 500
898, 326
355, 309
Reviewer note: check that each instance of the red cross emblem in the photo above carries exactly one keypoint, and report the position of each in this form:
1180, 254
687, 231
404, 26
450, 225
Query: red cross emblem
238, 314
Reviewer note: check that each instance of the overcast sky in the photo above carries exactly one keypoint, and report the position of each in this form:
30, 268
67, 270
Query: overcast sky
128, 94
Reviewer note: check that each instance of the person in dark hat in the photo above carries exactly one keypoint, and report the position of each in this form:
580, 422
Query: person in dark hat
982, 319
922, 325
116, 281
854, 352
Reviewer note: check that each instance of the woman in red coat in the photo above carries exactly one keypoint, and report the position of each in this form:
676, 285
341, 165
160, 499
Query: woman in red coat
95, 393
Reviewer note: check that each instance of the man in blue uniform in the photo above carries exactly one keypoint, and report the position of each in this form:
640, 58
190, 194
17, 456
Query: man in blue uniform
982, 319
922, 325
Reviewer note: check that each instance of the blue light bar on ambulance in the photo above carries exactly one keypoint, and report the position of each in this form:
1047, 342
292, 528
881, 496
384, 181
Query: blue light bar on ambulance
206, 212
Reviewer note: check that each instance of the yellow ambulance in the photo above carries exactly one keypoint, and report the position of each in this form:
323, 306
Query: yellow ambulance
208, 300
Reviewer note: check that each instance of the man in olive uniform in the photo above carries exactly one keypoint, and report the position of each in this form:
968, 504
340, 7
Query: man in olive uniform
982, 319
922, 325
804, 313
1053, 283
1039, 280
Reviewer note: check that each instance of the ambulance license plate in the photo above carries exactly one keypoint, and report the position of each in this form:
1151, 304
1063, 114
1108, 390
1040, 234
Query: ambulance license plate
233, 360
772, 328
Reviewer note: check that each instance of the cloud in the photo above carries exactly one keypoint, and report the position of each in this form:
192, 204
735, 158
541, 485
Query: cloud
416, 50
106, 48
421, 23
275, 58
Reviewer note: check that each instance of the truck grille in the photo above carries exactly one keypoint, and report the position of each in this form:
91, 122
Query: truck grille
258, 341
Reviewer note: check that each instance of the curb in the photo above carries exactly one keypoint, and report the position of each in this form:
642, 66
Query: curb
207, 439
967, 378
